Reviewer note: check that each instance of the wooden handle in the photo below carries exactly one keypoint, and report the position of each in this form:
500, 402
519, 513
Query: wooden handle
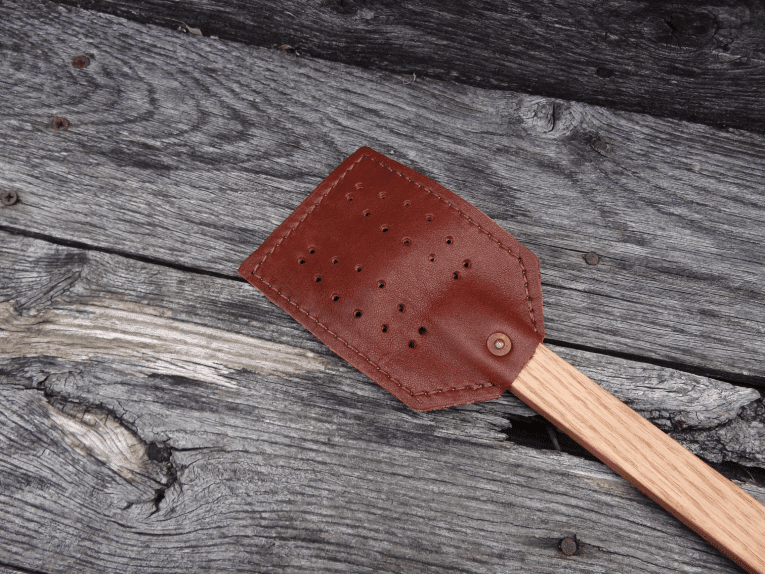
699, 496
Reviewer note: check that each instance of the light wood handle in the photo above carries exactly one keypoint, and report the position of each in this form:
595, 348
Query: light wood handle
696, 494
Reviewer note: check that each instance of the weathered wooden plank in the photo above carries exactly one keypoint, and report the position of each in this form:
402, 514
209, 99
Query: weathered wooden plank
699, 61
191, 150
155, 320
313, 495
137, 436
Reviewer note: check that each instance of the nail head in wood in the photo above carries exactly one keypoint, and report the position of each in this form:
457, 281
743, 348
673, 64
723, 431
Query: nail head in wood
604, 72
592, 258
80, 61
9, 197
568, 546
61, 123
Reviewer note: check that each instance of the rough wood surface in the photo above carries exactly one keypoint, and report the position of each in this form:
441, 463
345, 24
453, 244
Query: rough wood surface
701, 61
134, 439
159, 415
190, 150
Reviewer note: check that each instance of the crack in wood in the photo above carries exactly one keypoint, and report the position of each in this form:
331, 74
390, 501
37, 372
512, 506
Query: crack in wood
12, 569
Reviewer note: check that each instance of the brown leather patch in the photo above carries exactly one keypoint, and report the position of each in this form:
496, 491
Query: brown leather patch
406, 281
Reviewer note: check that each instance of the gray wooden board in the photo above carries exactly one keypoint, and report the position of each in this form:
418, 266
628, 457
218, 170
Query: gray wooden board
697, 60
190, 151
159, 419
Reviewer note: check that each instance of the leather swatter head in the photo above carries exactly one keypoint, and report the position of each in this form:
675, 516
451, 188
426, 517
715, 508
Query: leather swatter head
409, 283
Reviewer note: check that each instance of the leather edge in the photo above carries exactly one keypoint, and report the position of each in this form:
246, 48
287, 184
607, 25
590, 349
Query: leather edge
491, 227
345, 351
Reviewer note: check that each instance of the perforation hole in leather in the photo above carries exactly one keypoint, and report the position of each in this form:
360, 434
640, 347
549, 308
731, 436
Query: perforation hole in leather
370, 323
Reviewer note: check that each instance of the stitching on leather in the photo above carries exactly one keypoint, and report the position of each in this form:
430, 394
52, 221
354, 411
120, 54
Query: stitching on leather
325, 327
307, 314
278, 243
363, 356
470, 220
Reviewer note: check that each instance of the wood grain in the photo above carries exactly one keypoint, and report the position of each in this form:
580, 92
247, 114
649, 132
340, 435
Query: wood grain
678, 481
189, 151
699, 61
176, 323
154, 445
159, 415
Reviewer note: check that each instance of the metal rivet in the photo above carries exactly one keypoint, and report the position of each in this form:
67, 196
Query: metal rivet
80, 61
499, 344
568, 546
60, 123
9, 197
592, 258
